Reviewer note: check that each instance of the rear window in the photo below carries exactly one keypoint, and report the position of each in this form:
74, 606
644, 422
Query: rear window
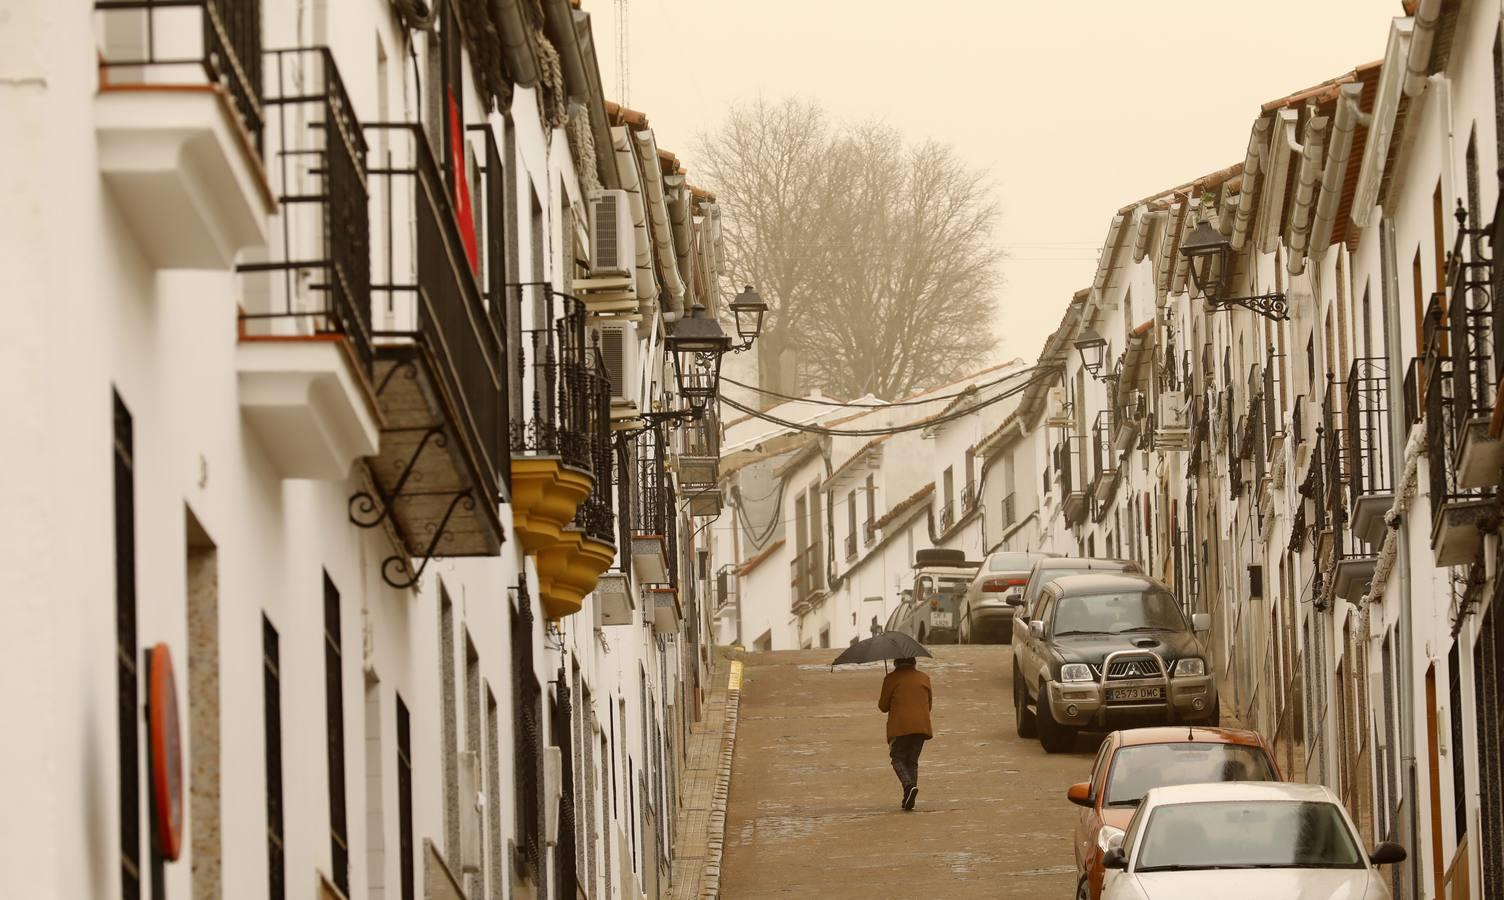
1012, 562
1136, 770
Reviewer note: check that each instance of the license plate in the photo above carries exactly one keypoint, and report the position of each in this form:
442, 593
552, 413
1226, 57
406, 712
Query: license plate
940, 619
1135, 693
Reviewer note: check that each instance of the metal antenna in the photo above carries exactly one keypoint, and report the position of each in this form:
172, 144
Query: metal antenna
623, 43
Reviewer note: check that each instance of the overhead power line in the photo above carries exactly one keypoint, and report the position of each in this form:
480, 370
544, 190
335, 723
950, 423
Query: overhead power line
1039, 374
821, 401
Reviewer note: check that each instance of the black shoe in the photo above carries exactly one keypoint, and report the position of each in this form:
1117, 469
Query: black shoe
910, 796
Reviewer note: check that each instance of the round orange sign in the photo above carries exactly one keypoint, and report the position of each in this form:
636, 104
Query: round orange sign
166, 753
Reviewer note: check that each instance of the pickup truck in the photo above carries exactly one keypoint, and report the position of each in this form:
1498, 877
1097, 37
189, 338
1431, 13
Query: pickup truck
1107, 651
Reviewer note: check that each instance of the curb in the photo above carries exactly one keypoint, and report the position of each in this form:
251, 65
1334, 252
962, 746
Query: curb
711, 884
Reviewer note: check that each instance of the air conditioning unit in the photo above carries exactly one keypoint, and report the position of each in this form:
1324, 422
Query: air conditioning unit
1056, 414
472, 811
613, 248
619, 350
1172, 403
613, 600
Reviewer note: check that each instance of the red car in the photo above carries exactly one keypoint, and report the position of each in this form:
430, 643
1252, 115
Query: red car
1132, 762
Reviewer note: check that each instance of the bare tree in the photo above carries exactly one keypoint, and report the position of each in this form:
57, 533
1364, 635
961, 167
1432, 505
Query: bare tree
875, 257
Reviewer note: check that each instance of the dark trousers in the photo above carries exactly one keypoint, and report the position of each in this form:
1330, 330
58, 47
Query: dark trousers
904, 750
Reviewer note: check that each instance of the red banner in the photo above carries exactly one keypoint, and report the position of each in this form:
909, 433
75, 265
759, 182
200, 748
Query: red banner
463, 211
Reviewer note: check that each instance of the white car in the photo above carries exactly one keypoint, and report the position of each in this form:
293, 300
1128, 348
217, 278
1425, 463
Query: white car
1245, 839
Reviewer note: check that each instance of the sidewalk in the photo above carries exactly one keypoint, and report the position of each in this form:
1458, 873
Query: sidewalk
696, 850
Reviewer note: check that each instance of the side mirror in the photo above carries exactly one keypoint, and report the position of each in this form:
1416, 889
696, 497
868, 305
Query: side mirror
1080, 794
1115, 858
1036, 629
1015, 600
1201, 622
1387, 853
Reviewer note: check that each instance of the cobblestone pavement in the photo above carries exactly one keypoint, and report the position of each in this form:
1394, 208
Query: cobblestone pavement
814, 806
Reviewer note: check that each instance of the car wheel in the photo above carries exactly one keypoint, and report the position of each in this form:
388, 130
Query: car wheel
1053, 737
1022, 717
920, 639
1083, 891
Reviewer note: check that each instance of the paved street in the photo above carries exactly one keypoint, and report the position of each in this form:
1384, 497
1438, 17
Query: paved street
814, 804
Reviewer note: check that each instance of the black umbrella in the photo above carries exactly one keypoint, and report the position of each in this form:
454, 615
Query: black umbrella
888, 645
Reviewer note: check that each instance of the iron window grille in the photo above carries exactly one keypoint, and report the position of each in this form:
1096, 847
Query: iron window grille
127, 684
276, 863
553, 370
1473, 324
334, 723
1370, 469
405, 800
596, 515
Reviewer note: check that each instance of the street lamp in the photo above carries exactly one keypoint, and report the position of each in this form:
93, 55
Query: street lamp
1210, 257
749, 308
1093, 350
697, 345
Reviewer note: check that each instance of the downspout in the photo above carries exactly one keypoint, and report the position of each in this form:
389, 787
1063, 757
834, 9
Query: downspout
1305, 189
1397, 441
659, 227
1418, 60
1257, 141
1348, 118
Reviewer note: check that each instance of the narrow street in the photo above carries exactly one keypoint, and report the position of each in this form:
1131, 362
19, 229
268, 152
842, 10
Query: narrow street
814, 806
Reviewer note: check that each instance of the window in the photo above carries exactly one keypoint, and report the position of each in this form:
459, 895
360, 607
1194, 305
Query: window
405, 799
851, 524
493, 795
126, 684
1454, 744
1439, 237
271, 667
527, 744
334, 713
871, 501
475, 884
949, 479
449, 736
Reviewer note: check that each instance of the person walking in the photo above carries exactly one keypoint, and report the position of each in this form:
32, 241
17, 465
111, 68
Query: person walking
907, 699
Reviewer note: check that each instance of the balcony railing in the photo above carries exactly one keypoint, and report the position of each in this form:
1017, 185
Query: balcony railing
650, 504
1470, 315
869, 532
216, 43
947, 516
426, 294
596, 515
318, 280
1412, 386
1010, 511
851, 546
1370, 470
807, 574
969, 497
1070, 462
1104, 455
550, 370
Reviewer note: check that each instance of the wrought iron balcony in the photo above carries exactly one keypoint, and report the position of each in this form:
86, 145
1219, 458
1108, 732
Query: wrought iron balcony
1456, 510
182, 79
1472, 321
549, 402
1104, 457
698, 461
1010, 511
807, 576
1070, 462
306, 353
968, 497
596, 516
947, 516
869, 533
1368, 446
439, 365
1127, 419
851, 546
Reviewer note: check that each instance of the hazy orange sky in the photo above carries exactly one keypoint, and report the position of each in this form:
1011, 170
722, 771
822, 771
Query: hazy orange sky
1074, 108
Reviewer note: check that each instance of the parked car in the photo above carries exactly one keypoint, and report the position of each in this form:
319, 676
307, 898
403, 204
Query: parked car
1049, 568
928, 611
1253, 840
994, 595
1130, 763
1109, 650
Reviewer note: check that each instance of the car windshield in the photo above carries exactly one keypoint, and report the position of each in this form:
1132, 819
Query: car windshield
946, 590
1265, 834
1117, 613
1011, 562
1137, 769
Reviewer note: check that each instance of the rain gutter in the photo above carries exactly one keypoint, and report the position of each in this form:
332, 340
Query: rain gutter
626, 168
1418, 60
522, 65
1386, 107
659, 226
1347, 120
1305, 189
1257, 141
571, 29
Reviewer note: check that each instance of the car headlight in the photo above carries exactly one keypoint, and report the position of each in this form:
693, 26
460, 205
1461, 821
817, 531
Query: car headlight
1075, 672
1108, 836
1191, 665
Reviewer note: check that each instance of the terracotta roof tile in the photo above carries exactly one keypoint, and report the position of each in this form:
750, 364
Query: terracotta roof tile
904, 505
853, 458
757, 560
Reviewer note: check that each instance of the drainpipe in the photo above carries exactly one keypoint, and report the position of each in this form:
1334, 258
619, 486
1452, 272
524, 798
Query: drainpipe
1257, 141
522, 64
1405, 633
1418, 60
1348, 118
1305, 189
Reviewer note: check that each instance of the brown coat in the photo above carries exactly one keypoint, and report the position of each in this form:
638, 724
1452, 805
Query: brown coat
907, 699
